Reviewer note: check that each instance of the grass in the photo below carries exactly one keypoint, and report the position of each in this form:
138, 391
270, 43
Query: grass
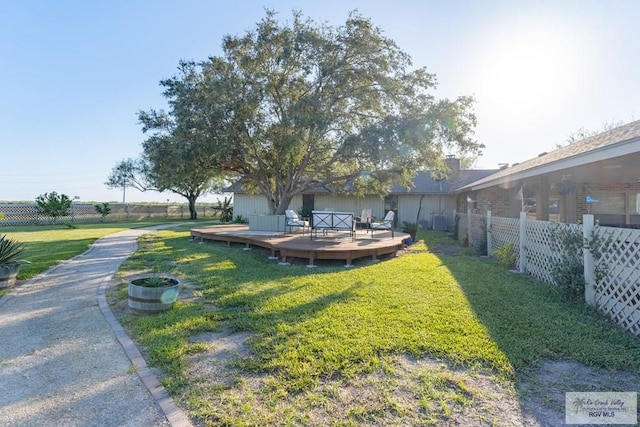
46, 246
376, 344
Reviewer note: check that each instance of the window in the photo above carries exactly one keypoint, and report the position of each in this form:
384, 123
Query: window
609, 203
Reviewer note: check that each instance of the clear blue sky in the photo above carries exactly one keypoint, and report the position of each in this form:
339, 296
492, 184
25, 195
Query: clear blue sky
73, 74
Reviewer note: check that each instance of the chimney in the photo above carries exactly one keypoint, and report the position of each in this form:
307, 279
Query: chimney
453, 163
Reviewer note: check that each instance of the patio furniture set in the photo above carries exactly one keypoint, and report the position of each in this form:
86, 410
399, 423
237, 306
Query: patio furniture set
328, 220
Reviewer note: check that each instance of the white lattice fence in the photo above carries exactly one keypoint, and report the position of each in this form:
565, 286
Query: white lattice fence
27, 214
503, 231
18, 214
478, 239
542, 248
618, 294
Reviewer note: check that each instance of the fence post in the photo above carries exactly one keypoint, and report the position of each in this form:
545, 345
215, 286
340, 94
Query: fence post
469, 225
456, 229
589, 264
523, 238
488, 233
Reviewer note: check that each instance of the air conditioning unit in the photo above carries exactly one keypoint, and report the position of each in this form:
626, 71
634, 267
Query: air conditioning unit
440, 223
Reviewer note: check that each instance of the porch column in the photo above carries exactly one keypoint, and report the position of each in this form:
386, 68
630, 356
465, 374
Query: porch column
489, 243
523, 242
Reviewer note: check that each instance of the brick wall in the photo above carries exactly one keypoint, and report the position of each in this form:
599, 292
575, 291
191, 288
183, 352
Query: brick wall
505, 202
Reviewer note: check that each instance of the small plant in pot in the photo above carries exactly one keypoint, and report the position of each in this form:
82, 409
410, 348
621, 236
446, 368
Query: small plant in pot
10, 261
153, 294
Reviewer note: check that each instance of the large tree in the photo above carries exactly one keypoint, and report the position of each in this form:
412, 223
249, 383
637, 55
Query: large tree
177, 156
290, 107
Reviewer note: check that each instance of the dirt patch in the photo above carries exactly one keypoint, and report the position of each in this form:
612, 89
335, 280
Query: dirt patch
421, 391
543, 389
211, 365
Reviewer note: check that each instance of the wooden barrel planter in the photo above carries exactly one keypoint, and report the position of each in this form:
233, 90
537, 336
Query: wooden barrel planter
147, 299
8, 275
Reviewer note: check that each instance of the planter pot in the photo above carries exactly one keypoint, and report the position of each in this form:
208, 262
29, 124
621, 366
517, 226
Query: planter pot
150, 300
8, 274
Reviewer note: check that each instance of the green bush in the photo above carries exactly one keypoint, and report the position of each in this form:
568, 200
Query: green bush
240, 220
225, 209
568, 274
480, 245
506, 255
103, 210
54, 205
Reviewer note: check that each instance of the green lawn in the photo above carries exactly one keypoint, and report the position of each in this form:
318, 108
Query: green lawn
46, 246
315, 333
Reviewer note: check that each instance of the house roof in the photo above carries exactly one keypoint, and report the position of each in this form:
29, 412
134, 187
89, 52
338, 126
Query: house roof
621, 141
423, 183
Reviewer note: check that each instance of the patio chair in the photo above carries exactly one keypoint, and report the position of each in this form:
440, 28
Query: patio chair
365, 219
293, 220
386, 224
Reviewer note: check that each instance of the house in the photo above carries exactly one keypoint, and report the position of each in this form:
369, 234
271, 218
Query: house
598, 175
435, 199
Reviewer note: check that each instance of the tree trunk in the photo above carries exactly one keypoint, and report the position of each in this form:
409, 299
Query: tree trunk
193, 213
285, 201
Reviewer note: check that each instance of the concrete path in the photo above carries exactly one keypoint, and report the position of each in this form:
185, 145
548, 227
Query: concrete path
65, 361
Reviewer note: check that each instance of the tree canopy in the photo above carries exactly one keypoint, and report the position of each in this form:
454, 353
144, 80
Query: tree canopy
177, 156
127, 174
295, 106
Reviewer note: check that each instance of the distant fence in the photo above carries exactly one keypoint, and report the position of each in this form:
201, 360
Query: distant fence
617, 295
28, 214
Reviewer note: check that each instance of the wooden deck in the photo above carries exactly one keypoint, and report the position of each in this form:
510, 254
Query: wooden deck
333, 246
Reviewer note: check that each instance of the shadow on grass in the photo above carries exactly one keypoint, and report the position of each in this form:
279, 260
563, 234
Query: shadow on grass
239, 291
531, 322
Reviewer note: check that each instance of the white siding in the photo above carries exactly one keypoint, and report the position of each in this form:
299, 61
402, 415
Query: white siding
432, 205
245, 205
350, 204
256, 204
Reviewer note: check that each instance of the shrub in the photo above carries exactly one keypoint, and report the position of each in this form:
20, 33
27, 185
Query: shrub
240, 220
103, 210
479, 245
54, 205
411, 228
10, 251
568, 273
506, 255
225, 210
